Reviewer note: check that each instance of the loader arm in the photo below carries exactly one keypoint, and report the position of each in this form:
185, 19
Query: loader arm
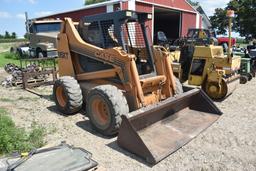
70, 41
123, 64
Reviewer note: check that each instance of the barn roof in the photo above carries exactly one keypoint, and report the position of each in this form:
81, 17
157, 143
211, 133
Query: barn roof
180, 5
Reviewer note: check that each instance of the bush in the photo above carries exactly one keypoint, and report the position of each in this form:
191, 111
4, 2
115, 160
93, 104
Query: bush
241, 41
12, 56
7, 57
14, 139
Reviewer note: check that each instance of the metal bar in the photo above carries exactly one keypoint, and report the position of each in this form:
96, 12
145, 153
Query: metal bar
129, 37
110, 73
148, 47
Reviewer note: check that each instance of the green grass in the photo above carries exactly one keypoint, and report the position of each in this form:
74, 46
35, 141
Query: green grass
12, 40
7, 57
15, 139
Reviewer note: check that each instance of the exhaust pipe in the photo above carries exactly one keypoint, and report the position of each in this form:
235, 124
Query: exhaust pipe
156, 131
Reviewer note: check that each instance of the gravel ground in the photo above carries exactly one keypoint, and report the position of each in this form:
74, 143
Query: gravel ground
229, 144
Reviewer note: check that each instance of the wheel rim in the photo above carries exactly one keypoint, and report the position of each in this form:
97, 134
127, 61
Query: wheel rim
61, 97
216, 91
40, 55
100, 111
213, 89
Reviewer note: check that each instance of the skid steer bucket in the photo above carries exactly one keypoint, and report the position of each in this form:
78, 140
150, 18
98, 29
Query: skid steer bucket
156, 131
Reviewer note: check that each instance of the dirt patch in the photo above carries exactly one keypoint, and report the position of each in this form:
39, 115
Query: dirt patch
229, 144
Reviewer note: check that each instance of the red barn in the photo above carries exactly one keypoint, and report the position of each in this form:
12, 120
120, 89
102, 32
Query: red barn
173, 17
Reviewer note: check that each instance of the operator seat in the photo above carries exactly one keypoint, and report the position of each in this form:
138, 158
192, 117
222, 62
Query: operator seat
90, 33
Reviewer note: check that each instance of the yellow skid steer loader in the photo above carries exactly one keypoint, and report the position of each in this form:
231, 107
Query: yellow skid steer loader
107, 62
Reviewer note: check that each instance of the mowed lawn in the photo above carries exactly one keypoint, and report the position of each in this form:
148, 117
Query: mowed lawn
7, 57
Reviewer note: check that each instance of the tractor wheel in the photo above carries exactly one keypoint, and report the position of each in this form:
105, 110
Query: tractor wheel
40, 53
179, 88
216, 91
12, 50
253, 74
104, 106
250, 76
67, 95
243, 79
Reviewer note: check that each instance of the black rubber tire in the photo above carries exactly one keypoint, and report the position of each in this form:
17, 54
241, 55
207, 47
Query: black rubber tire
219, 96
243, 79
179, 88
19, 52
72, 93
249, 76
40, 53
253, 74
116, 104
12, 50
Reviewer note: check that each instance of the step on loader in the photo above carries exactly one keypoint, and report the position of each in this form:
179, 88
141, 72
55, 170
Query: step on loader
107, 62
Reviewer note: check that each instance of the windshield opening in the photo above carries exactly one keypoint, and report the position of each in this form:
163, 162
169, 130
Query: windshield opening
132, 36
47, 27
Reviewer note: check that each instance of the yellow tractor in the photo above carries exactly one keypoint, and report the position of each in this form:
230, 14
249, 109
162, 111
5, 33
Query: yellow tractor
108, 63
207, 66
203, 64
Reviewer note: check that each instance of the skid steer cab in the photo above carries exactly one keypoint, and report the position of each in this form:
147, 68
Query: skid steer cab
108, 63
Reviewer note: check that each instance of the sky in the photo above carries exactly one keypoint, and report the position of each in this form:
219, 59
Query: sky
12, 17
12, 12
210, 5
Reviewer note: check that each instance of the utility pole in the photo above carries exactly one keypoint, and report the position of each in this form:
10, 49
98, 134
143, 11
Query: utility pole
26, 22
230, 15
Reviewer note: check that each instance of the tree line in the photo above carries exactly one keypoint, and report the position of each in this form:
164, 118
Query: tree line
8, 35
89, 2
244, 21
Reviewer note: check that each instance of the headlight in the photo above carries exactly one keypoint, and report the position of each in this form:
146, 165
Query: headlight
128, 13
50, 45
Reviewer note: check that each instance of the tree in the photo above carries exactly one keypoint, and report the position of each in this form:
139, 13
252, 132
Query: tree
26, 36
245, 16
7, 35
193, 3
14, 35
244, 21
89, 2
219, 21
